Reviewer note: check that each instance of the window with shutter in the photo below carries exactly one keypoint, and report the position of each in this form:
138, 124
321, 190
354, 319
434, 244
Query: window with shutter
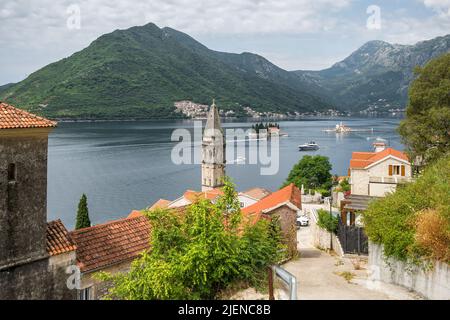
390, 170
403, 171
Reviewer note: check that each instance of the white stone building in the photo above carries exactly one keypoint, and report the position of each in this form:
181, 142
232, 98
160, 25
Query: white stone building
376, 174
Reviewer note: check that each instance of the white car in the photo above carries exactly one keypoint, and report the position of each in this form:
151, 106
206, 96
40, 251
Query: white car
302, 221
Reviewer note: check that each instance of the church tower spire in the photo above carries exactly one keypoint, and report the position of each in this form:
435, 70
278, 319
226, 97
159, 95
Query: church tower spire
213, 151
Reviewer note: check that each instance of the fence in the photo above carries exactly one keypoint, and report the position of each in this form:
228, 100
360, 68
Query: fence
353, 239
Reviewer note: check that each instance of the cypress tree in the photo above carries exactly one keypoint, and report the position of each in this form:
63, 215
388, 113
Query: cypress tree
83, 220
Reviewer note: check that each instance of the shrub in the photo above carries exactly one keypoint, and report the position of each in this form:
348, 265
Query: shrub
327, 221
433, 235
199, 253
402, 221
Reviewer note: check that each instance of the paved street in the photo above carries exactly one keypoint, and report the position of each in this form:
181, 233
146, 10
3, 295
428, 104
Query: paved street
321, 276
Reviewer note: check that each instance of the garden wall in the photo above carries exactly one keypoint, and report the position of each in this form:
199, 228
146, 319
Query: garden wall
433, 284
321, 237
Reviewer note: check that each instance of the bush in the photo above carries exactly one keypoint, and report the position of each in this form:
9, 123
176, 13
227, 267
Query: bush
432, 234
401, 221
344, 186
199, 253
327, 221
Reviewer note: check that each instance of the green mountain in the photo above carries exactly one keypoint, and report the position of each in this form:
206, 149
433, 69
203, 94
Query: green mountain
142, 71
5, 86
376, 75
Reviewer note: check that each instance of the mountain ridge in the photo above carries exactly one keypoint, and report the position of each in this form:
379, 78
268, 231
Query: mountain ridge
141, 71
378, 74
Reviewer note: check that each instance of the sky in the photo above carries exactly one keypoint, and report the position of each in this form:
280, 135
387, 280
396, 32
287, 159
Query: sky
293, 34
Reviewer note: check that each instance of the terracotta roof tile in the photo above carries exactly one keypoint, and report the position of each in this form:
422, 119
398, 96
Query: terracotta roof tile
160, 204
288, 194
13, 118
107, 244
257, 193
58, 239
361, 160
194, 196
135, 214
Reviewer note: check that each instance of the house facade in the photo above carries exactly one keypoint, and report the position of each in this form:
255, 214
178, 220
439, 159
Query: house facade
376, 174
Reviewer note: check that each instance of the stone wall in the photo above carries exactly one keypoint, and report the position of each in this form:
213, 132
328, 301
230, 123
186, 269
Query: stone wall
44, 279
288, 219
23, 200
433, 284
321, 237
100, 288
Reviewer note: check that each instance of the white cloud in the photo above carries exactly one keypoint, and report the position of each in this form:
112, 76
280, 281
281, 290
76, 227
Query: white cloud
442, 7
35, 32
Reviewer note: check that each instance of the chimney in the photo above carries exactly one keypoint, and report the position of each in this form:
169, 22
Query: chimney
379, 146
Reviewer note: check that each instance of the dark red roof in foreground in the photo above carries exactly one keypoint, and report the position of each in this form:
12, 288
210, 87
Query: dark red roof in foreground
13, 118
58, 239
111, 243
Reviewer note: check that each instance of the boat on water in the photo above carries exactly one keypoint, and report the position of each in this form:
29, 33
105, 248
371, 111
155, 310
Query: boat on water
311, 146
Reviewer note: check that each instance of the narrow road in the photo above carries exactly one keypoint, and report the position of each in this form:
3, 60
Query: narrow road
320, 277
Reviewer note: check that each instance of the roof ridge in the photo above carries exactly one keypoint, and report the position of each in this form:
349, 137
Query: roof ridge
105, 224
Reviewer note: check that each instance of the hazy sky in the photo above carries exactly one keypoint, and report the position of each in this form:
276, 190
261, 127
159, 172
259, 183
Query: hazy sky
294, 34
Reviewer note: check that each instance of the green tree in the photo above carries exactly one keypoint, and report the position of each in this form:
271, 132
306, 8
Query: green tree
426, 128
199, 252
83, 220
313, 172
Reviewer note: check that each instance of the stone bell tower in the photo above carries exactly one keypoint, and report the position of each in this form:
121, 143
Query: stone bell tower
213, 152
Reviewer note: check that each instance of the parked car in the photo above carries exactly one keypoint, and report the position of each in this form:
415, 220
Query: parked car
302, 221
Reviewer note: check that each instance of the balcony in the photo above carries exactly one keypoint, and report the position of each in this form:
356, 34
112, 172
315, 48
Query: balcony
390, 180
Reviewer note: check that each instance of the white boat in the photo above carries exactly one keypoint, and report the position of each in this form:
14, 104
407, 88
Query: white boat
312, 146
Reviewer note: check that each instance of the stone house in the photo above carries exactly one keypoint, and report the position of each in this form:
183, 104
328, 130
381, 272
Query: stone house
377, 173
34, 253
284, 205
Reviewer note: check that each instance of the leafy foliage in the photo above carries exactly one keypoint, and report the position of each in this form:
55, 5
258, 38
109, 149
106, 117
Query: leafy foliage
327, 221
395, 221
344, 186
83, 220
426, 129
313, 172
198, 253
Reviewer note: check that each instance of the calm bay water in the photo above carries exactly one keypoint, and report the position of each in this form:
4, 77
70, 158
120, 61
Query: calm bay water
123, 166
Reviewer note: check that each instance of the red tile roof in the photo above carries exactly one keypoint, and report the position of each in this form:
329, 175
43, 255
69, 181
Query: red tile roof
160, 204
257, 193
58, 239
111, 243
194, 196
290, 194
13, 118
361, 160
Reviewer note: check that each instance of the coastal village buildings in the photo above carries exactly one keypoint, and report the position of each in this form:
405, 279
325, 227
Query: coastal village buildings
35, 255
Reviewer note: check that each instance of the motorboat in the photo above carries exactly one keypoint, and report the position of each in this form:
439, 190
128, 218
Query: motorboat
311, 146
